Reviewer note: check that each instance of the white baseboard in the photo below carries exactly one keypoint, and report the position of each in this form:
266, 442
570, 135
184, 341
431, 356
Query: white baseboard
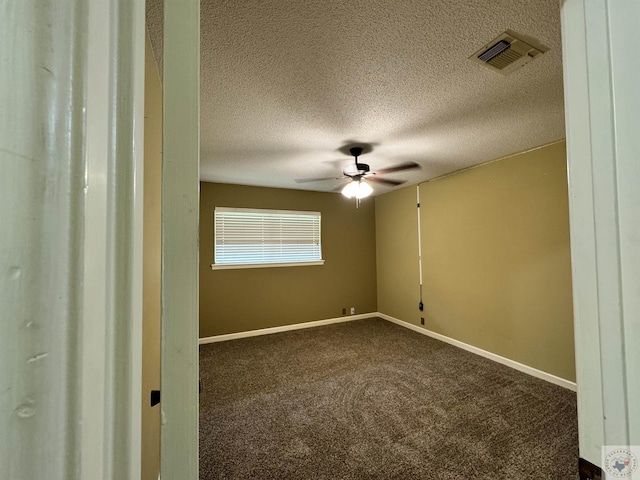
483, 353
285, 328
348, 318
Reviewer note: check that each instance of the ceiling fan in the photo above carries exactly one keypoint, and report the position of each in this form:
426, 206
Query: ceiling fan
360, 173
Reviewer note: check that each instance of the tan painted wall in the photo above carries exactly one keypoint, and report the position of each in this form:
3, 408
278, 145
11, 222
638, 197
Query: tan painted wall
249, 299
151, 266
496, 260
397, 254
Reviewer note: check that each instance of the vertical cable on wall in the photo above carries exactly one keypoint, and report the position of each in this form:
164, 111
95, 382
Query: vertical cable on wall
420, 305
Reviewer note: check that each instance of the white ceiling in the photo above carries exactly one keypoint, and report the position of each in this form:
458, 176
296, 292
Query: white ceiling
286, 83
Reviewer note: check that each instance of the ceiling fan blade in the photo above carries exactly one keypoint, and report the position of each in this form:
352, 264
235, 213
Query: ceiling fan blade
384, 180
398, 168
307, 180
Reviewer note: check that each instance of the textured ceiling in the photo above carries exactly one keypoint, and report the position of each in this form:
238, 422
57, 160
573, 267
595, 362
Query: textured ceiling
286, 83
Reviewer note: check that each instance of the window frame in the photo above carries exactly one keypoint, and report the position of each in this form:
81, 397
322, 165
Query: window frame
231, 266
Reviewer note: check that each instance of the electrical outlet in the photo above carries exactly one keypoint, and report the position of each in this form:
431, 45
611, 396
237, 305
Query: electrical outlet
353, 310
421, 320
344, 311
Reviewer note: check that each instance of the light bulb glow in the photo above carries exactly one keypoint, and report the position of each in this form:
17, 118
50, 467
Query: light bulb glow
357, 189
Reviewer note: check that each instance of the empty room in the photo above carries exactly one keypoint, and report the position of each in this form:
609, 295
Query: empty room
385, 265
287, 91
357, 239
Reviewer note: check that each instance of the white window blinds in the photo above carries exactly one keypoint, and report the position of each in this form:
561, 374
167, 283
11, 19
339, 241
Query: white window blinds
266, 237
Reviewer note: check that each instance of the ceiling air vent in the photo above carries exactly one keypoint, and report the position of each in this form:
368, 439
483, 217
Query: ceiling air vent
508, 52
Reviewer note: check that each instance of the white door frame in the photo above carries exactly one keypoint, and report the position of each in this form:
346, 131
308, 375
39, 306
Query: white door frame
602, 106
180, 232
71, 137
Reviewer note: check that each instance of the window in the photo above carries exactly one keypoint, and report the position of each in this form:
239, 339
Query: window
246, 238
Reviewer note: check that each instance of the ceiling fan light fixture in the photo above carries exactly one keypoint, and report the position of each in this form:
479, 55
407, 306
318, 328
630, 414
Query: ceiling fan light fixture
358, 189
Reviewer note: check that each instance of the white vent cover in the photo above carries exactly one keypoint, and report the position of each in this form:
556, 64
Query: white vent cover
508, 52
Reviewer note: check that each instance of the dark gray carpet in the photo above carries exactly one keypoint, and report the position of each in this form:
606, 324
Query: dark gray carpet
371, 400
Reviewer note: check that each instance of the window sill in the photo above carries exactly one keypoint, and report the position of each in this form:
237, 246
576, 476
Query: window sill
215, 266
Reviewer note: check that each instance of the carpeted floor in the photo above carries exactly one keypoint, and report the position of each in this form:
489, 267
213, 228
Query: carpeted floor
371, 400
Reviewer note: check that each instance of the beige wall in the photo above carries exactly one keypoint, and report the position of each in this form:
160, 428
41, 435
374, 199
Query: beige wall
496, 260
249, 299
151, 266
397, 254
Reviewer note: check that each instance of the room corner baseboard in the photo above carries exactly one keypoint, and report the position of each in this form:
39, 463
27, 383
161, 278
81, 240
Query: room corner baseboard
348, 318
285, 328
483, 353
